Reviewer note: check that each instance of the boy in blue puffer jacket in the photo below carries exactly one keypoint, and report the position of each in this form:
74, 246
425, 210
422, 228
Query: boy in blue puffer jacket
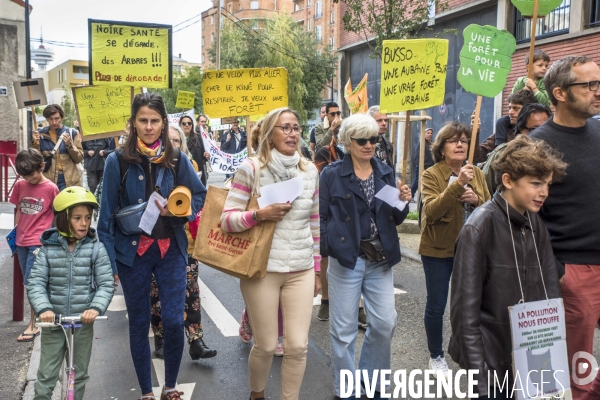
64, 280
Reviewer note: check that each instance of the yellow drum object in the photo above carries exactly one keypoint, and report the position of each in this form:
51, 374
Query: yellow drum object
180, 202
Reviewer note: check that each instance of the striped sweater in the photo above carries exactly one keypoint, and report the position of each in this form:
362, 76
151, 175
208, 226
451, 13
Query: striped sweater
296, 240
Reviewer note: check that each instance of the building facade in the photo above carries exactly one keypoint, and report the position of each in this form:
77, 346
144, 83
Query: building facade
12, 68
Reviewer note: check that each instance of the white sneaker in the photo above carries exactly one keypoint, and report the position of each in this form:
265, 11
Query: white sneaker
439, 364
279, 350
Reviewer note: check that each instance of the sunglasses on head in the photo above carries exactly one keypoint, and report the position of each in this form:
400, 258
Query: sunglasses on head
186, 123
363, 141
334, 113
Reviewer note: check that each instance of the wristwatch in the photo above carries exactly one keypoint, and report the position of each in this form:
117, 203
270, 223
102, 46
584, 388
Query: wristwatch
254, 216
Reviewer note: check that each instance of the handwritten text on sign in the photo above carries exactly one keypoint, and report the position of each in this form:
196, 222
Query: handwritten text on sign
129, 53
485, 59
102, 109
220, 161
239, 92
185, 99
413, 74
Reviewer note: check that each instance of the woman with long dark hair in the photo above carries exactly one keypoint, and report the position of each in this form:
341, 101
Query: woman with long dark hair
148, 162
195, 145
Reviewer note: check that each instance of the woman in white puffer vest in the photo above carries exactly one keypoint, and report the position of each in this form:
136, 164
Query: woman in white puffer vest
293, 269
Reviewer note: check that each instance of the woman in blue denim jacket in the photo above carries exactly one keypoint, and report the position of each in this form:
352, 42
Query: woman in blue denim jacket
149, 155
350, 214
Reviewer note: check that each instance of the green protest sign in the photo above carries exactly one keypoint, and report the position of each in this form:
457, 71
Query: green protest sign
545, 7
485, 59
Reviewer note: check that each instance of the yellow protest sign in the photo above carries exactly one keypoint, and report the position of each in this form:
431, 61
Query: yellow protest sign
247, 91
357, 99
413, 74
185, 99
102, 111
130, 53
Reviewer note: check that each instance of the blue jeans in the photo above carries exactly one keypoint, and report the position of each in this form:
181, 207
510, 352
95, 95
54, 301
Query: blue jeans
60, 182
26, 260
170, 273
376, 282
437, 281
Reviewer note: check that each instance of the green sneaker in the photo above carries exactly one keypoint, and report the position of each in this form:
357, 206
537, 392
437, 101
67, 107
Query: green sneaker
362, 318
323, 314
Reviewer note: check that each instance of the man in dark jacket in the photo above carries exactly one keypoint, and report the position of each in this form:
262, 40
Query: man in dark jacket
234, 140
573, 86
94, 154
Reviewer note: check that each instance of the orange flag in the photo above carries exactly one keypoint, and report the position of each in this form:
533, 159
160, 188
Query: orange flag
357, 99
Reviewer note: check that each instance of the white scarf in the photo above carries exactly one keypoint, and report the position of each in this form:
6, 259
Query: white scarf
284, 167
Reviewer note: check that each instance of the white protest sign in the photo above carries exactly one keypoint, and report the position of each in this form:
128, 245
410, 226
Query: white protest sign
540, 361
223, 162
174, 118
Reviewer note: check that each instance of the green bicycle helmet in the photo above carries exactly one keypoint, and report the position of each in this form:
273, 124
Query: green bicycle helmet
73, 196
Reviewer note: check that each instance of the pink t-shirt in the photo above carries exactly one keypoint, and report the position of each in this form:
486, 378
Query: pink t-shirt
34, 203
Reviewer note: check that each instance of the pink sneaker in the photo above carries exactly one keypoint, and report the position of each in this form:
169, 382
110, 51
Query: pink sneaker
245, 328
279, 349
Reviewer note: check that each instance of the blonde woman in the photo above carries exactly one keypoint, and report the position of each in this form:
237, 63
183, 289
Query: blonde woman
293, 268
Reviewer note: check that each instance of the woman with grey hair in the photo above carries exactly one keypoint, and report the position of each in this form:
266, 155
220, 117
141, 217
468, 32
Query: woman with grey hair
359, 233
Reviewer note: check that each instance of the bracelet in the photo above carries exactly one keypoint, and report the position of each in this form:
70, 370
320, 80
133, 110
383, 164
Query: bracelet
318, 273
254, 218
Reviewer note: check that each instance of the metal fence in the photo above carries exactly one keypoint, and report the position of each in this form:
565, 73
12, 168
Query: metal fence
555, 23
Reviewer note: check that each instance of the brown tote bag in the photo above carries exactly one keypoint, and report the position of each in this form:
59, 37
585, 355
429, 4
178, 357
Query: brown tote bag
244, 254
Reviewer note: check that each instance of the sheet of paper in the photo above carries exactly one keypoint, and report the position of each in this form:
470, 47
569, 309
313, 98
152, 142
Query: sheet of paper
390, 194
280, 192
151, 213
452, 179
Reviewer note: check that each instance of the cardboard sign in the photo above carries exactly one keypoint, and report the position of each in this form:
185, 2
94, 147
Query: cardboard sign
130, 53
357, 99
102, 111
174, 118
185, 99
540, 350
30, 93
545, 7
485, 59
220, 161
413, 74
241, 92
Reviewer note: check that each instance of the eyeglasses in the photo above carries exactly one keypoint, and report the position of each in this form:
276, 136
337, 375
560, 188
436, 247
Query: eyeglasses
592, 85
334, 113
363, 141
186, 123
202, 121
287, 129
464, 142
176, 140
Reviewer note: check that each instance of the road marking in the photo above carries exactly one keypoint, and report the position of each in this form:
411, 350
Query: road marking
399, 291
117, 303
228, 325
159, 368
7, 221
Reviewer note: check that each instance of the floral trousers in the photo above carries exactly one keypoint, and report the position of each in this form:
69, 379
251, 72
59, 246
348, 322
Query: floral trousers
192, 315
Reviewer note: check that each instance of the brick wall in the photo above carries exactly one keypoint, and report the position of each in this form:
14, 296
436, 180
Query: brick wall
456, 3
588, 45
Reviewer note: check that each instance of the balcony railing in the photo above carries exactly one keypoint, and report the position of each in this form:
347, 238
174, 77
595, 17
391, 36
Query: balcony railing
555, 23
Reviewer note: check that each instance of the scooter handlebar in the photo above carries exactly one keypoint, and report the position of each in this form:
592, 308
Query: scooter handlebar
61, 319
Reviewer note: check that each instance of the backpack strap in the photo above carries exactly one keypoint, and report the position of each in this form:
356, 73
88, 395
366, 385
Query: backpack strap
176, 168
123, 170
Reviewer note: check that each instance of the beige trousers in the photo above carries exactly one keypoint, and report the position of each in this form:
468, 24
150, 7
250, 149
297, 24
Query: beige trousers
294, 291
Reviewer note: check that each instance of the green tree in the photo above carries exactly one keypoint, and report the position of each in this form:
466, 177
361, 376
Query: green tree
68, 106
388, 19
280, 42
189, 80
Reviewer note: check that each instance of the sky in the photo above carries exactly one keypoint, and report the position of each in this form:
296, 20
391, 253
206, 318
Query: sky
67, 21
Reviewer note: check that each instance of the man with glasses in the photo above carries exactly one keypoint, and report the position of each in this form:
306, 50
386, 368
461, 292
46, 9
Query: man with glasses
324, 130
202, 126
61, 166
573, 85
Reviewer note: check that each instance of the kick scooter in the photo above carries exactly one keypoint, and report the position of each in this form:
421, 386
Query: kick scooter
69, 323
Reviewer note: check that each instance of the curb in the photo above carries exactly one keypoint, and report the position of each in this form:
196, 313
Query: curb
410, 253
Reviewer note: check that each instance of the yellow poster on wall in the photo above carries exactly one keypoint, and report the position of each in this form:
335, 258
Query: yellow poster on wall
240, 92
413, 74
357, 99
102, 111
130, 53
